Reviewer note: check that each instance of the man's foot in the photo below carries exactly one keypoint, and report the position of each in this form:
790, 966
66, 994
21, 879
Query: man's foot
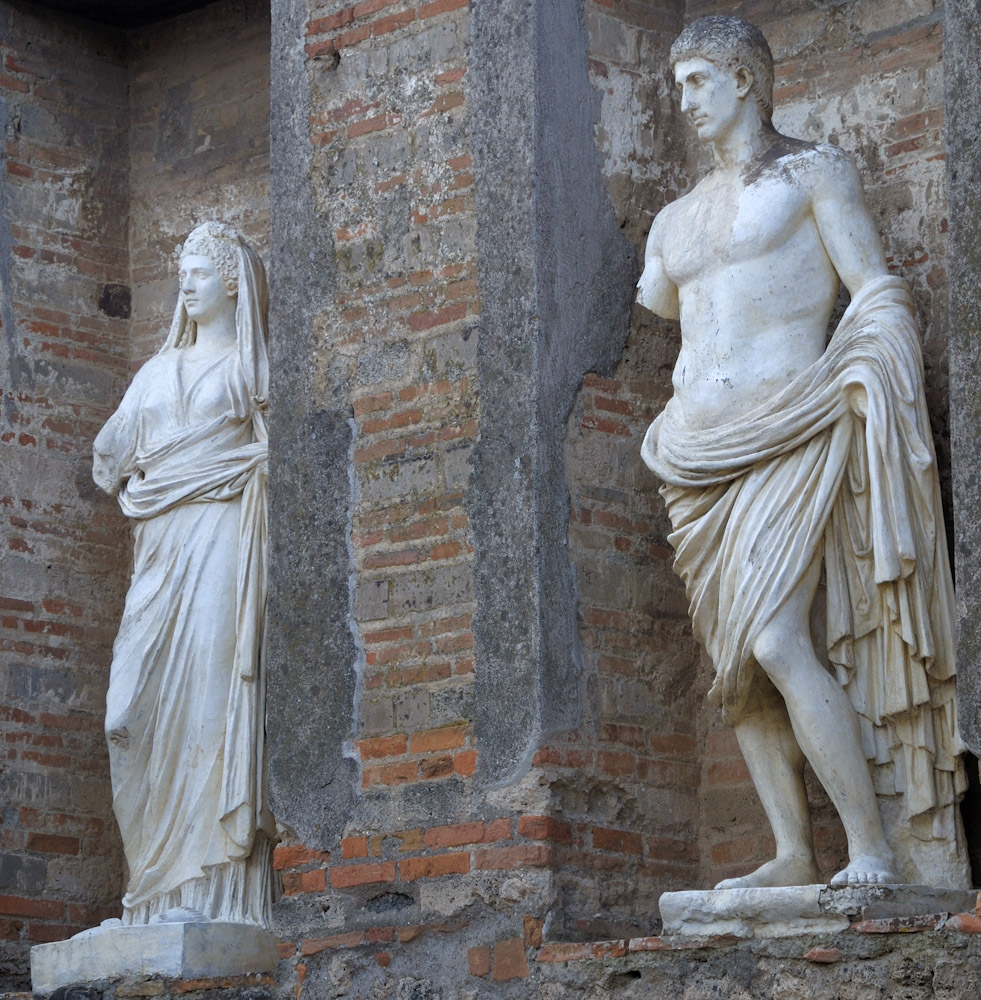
776, 873
866, 869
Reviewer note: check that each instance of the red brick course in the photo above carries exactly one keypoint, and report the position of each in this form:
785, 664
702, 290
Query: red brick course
510, 961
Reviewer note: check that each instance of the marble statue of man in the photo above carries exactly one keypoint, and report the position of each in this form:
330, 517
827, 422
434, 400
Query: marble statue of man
186, 455
791, 467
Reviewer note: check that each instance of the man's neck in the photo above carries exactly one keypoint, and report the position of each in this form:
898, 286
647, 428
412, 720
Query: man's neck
742, 144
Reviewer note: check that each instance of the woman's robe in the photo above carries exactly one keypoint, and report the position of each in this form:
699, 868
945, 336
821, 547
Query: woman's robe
187, 453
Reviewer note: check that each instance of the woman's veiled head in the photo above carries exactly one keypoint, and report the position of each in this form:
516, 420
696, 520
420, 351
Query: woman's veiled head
220, 244
241, 270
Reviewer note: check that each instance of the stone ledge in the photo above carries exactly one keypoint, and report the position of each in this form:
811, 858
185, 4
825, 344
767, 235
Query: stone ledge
256, 986
851, 911
191, 952
812, 909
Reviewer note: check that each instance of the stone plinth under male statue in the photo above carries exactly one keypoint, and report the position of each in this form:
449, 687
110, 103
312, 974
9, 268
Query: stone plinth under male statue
186, 453
792, 468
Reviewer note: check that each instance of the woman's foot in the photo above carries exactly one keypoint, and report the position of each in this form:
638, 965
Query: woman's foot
179, 915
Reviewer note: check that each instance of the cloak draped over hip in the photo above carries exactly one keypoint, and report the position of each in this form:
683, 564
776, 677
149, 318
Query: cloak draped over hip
187, 452
754, 502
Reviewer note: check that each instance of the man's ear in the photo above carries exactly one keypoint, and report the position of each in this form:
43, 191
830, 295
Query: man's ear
744, 81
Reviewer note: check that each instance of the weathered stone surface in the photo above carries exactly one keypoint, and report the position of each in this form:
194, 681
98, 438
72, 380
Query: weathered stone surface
171, 950
810, 909
962, 78
926, 966
749, 912
871, 902
313, 659
574, 270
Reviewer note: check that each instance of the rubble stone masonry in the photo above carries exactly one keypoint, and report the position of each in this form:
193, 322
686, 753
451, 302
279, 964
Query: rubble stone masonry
488, 742
64, 308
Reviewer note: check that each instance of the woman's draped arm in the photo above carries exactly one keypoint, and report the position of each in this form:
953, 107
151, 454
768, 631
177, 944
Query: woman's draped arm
114, 448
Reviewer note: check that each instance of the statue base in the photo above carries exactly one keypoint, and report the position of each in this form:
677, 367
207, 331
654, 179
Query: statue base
153, 951
808, 909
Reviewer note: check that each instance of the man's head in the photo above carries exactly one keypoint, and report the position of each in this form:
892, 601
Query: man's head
730, 44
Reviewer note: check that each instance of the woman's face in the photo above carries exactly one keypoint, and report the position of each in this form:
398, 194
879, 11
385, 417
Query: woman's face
204, 293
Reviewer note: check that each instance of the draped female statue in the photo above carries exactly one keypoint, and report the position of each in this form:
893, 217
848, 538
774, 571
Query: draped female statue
186, 454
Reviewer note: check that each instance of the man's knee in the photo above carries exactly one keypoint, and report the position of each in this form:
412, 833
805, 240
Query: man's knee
775, 650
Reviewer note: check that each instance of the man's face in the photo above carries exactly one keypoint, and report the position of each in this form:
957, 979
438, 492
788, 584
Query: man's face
709, 96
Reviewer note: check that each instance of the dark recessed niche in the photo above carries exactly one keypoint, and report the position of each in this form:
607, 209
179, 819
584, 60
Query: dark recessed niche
116, 301
123, 13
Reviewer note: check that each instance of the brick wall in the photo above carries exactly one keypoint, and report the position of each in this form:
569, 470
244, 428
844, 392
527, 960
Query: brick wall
435, 864
199, 146
627, 780
395, 339
65, 306
430, 871
400, 336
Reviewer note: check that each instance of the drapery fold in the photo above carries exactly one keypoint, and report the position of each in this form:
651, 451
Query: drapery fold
753, 502
185, 708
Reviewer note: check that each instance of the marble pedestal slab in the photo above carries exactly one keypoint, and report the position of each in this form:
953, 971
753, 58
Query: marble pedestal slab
803, 909
164, 950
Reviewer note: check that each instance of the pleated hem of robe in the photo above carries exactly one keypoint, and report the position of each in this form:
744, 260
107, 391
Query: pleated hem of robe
239, 892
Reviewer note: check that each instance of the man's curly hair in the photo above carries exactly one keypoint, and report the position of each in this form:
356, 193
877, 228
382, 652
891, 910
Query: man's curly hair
730, 42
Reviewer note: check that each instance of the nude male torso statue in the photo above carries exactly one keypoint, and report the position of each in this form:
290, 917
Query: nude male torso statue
726, 260
750, 262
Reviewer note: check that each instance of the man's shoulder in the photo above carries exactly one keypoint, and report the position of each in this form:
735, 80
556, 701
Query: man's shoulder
674, 210
817, 164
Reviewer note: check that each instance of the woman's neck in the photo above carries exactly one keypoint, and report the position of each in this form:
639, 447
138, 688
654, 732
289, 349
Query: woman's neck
216, 335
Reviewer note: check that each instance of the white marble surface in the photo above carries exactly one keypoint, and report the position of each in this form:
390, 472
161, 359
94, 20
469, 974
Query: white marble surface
805, 909
159, 950
749, 912
781, 458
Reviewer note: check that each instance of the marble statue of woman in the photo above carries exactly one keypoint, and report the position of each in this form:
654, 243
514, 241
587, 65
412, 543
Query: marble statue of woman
186, 454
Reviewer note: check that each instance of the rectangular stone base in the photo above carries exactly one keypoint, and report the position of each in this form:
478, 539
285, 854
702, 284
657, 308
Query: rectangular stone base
804, 909
164, 951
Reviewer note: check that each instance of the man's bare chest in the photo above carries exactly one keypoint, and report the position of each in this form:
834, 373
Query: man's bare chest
721, 225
